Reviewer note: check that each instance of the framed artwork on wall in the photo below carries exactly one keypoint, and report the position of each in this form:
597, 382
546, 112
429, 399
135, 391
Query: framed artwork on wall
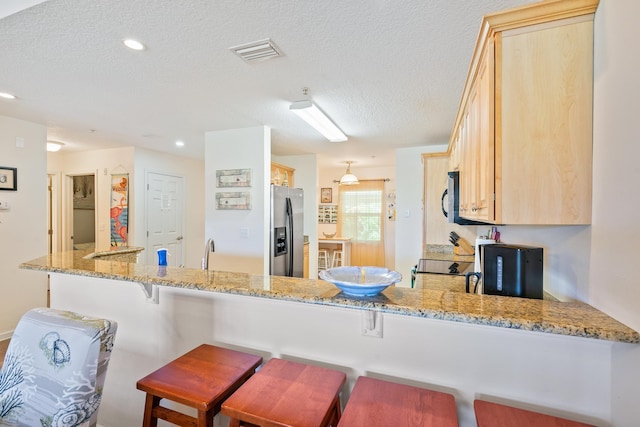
325, 195
233, 200
233, 178
8, 178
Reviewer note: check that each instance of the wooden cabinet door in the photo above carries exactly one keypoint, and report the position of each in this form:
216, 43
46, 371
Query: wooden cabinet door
484, 152
546, 141
464, 200
476, 151
281, 175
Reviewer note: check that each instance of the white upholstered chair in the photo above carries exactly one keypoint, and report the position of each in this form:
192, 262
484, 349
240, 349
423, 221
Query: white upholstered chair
54, 369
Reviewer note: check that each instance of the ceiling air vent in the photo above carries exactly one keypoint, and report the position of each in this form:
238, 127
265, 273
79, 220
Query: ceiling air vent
257, 51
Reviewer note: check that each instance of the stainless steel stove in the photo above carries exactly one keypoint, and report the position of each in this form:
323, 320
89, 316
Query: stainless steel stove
439, 266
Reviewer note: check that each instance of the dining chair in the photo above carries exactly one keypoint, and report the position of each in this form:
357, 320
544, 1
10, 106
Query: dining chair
54, 369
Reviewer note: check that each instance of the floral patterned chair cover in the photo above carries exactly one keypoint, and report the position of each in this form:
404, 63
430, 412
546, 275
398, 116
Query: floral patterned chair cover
54, 369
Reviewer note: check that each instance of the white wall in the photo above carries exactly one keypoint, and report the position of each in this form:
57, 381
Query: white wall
247, 148
616, 197
101, 163
23, 228
306, 177
192, 171
137, 162
613, 285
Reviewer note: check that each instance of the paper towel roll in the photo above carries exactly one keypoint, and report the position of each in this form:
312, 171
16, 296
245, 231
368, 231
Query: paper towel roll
480, 242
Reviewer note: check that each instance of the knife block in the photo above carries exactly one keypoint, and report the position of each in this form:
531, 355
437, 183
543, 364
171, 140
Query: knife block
463, 248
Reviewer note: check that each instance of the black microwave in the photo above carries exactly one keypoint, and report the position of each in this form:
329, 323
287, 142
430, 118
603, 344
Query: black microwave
450, 201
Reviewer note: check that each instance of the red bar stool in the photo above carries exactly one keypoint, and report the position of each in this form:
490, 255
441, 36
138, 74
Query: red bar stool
285, 393
489, 414
379, 403
201, 379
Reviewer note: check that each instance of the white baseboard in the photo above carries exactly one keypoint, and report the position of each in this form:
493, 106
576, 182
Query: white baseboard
5, 335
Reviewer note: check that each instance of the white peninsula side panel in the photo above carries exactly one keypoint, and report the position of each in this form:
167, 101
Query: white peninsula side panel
569, 375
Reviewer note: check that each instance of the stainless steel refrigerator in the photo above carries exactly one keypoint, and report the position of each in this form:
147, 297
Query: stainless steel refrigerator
287, 239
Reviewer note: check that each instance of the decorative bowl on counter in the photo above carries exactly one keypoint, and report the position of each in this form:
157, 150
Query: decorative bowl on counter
361, 281
328, 235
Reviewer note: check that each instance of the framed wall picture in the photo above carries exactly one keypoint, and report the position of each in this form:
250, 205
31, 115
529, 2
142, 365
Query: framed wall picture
233, 178
325, 195
233, 200
8, 178
328, 214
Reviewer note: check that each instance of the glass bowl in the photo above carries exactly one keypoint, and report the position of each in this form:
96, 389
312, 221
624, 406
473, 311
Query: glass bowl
361, 281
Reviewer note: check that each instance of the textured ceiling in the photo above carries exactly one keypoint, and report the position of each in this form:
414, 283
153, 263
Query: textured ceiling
390, 73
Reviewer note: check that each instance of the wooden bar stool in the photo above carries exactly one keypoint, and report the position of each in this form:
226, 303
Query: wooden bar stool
489, 414
285, 393
323, 259
381, 403
201, 379
336, 259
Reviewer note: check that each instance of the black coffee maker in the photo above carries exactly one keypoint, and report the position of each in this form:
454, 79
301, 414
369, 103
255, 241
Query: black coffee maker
514, 271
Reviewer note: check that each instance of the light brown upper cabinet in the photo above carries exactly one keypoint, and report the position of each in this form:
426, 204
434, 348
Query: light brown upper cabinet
522, 139
281, 175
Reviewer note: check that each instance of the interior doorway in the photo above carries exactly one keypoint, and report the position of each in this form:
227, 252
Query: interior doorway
80, 220
53, 213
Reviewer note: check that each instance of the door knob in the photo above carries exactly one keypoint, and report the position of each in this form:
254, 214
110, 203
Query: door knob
179, 238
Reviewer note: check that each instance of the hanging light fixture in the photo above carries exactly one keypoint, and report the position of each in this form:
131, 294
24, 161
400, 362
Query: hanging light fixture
348, 178
311, 114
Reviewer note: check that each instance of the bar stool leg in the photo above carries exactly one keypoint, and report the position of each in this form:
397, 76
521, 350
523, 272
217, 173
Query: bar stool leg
205, 418
150, 402
336, 412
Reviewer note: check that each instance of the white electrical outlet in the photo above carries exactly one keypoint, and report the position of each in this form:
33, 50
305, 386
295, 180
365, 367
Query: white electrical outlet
4, 205
372, 323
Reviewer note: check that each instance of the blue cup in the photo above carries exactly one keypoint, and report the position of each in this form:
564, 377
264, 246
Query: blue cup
162, 256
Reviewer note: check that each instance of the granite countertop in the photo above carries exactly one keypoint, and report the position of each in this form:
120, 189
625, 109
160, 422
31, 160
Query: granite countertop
114, 251
572, 319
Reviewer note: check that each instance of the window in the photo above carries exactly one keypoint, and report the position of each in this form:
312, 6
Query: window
361, 219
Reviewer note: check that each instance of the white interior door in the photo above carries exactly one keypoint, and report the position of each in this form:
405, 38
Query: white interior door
165, 206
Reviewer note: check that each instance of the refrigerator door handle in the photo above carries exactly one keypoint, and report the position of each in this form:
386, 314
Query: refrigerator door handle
290, 236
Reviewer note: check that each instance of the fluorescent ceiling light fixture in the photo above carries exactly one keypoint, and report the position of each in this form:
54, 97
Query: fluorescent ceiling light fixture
134, 44
348, 178
54, 145
179, 143
318, 120
7, 95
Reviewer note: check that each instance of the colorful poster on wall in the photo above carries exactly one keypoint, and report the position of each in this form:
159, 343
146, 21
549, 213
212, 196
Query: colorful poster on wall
119, 209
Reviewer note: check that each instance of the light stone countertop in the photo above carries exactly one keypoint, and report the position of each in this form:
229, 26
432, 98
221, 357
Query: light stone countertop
114, 251
562, 318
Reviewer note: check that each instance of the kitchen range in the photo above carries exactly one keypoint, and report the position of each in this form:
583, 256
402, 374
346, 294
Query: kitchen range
506, 270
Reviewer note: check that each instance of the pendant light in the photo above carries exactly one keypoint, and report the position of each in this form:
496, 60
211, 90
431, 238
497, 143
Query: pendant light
348, 178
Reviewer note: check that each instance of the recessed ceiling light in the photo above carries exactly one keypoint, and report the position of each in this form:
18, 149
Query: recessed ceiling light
7, 95
54, 145
179, 143
134, 44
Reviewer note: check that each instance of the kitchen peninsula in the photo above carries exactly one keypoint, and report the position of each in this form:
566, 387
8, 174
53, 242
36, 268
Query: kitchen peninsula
437, 339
